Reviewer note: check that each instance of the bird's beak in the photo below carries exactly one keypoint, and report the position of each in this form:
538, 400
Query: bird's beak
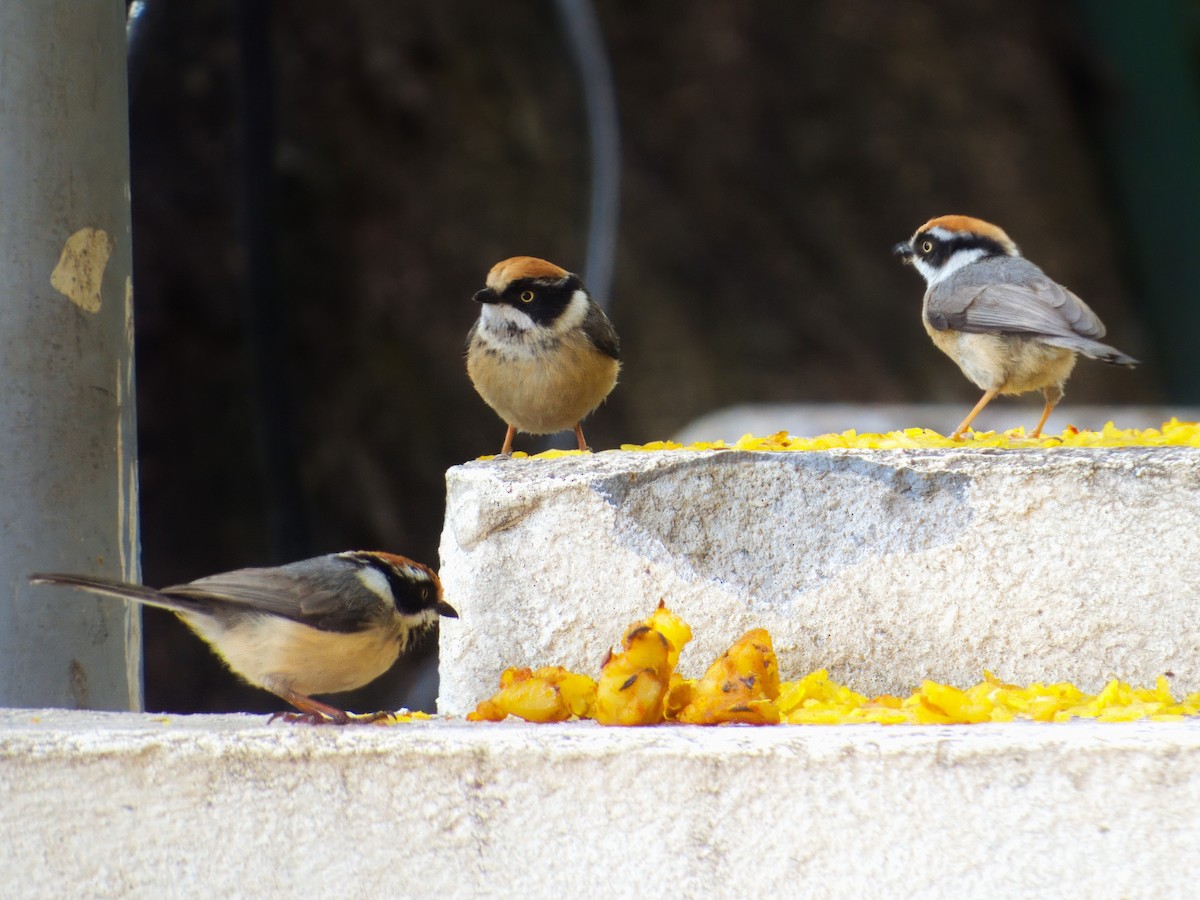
487, 295
445, 609
904, 250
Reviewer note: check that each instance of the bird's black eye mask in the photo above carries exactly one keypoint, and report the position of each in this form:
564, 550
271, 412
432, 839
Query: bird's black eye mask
411, 595
935, 251
540, 299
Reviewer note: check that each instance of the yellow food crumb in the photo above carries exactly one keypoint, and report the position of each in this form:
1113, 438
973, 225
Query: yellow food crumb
1172, 434
545, 454
638, 686
398, 717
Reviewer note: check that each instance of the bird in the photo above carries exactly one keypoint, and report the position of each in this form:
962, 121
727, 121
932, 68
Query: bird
542, 353
1008, 326
318, 626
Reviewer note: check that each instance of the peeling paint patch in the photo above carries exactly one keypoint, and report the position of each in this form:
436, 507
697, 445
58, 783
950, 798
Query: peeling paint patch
80, 268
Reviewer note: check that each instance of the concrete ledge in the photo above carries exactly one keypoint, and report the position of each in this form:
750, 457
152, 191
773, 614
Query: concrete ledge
134, 805
887, 567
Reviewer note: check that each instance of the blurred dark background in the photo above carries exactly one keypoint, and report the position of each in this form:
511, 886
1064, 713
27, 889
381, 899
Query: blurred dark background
318, 190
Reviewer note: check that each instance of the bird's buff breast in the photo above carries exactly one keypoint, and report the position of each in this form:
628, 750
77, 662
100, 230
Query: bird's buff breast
545, 391
1010, 364
307, 660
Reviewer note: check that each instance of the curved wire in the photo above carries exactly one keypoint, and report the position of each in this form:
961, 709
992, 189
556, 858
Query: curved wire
586, 43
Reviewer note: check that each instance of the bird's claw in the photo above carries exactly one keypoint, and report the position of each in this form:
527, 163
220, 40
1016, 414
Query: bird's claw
309, 718
317, 718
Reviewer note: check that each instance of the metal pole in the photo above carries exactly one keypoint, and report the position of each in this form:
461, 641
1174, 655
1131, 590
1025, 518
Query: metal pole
68, 476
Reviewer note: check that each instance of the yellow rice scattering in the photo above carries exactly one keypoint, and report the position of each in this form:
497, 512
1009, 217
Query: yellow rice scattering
1172, 434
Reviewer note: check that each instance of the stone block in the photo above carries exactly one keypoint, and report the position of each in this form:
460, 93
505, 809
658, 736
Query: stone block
886, 567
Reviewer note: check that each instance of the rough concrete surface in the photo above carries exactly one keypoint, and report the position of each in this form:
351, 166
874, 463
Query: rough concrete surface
127, 805
886, 567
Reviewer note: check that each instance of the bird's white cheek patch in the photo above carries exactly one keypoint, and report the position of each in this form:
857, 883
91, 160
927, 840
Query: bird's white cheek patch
927, 271
952, 265
572, 317
501, 317
375, 582
512, 333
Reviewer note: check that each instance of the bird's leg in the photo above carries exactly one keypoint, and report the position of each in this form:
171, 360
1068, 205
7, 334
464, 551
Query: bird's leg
312, 712
506, 450
579, 436
1053, 393
966, 423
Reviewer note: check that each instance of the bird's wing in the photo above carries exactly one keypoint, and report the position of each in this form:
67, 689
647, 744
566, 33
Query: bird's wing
1035, 304
600, 332
297, 592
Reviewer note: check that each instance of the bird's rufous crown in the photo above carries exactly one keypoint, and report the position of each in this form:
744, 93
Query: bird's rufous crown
509, 270
971, 225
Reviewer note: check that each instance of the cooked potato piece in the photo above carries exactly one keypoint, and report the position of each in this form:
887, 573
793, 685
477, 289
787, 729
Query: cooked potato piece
633, 684
578, 692
638, 685
632, 689
673, 628
679, 695
741, 686
552, 694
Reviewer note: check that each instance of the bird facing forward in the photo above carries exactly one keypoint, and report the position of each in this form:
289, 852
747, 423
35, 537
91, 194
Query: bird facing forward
1010, 328
319, 626
542, 354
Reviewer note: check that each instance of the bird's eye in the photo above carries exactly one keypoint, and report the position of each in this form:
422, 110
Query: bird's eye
424, 593
927, 246
526, 296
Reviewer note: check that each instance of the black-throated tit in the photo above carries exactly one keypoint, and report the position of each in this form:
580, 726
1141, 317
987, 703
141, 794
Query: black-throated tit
319, 626
1010, 327
542, 354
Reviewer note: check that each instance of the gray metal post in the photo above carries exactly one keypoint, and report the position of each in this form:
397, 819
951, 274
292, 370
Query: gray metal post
68, 476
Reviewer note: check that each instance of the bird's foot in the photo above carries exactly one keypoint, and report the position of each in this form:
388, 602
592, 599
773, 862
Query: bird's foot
317, 718
310, 718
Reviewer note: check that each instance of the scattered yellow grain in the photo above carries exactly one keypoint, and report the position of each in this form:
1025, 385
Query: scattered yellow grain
399, 717
1172, 434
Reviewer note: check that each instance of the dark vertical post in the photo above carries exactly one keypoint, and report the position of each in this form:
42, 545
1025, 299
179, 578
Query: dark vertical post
1151, 128
68, 475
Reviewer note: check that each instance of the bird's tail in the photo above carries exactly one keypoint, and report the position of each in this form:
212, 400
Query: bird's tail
1093, 349
111, 587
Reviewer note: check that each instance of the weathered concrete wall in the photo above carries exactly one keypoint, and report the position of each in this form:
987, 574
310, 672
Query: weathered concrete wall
137, 806
887, 567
